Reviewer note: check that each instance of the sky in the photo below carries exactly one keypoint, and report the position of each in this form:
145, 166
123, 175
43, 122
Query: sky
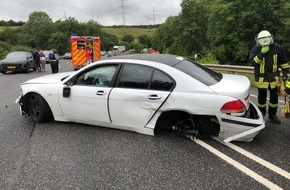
105, 12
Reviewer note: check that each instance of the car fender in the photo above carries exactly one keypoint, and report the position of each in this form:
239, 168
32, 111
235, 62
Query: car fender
50, 97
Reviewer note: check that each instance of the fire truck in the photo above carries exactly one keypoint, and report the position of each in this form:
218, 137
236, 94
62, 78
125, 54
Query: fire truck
79, 46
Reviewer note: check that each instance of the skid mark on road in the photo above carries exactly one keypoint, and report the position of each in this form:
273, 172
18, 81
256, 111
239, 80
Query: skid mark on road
239, 166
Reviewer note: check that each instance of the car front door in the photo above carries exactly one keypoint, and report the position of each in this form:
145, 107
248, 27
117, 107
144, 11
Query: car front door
139, 92
87, 102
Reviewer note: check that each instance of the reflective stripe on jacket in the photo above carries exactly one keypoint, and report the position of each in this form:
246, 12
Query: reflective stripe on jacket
266, 65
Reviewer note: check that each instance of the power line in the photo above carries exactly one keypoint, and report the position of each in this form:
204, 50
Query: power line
153, 17
124, 9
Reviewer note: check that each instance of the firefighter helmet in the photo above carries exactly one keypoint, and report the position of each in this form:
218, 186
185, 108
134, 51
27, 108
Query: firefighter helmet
264, 38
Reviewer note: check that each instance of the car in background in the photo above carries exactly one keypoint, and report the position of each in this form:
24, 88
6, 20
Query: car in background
147, 93
110, 53
103, 53
17, 61
67, 56
46, 53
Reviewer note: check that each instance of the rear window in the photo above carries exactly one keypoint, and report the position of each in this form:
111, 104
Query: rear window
199, 72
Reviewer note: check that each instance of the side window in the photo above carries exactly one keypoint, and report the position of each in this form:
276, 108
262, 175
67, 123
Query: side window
160, 81
100, 76
135, 76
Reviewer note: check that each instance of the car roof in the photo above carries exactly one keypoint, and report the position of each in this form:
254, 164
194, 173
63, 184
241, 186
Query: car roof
18, 52
166, 59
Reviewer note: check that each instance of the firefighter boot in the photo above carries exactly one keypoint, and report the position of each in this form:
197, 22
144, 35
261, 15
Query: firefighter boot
274, 119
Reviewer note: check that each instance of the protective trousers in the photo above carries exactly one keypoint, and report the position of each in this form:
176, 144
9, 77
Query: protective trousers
262, 100
54, 66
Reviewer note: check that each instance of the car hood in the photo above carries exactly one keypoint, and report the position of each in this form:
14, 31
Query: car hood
236, 86
13, 61
49, 79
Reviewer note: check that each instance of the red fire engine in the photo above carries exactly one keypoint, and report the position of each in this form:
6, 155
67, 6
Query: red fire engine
79, 45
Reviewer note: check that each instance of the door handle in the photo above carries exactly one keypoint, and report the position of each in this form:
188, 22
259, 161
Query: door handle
100, 92
154, 97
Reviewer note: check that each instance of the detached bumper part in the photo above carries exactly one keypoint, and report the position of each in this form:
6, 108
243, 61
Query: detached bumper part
241, 128
19, 101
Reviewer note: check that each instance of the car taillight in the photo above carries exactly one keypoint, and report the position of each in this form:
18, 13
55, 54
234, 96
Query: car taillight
236, 106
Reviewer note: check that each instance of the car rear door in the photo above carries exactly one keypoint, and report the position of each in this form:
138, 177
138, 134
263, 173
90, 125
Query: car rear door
139, 92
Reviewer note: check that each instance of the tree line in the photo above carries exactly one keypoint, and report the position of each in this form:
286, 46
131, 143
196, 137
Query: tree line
223, 31
218, 31
40, 32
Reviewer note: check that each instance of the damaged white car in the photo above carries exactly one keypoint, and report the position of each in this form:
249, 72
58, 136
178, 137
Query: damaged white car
147, 93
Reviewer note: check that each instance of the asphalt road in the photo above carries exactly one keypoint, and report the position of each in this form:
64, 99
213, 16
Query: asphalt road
58, 155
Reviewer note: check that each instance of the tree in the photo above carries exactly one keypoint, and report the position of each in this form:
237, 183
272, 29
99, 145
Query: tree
192, 27
36, 32
164, 37
145, 40
128, 38
59, 41
39, 17
233, 25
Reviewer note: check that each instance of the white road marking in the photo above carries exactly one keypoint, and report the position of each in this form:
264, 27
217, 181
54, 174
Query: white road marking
257, 159
239, 166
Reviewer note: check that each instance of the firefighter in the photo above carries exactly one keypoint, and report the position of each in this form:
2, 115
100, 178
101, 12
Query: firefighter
266, 57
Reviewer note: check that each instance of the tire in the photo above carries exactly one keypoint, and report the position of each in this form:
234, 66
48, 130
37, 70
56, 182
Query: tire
38, 108
3, 72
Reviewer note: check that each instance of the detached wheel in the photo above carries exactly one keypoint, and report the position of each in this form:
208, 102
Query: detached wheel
38, 108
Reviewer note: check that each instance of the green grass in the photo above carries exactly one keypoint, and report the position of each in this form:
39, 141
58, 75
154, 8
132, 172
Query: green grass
135, 32
6, 27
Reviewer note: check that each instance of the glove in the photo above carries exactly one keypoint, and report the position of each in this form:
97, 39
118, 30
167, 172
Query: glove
265, 49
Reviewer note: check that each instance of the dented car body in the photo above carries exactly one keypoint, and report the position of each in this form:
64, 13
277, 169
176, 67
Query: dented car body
147, 93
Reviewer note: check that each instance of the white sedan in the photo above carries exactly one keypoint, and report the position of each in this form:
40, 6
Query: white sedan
147, 93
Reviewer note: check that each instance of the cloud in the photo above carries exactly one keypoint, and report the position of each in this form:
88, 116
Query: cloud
105, 12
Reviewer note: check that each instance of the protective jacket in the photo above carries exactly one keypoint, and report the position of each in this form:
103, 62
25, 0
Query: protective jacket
266, 65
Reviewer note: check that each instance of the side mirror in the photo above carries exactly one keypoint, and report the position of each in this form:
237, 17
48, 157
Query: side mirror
66, 91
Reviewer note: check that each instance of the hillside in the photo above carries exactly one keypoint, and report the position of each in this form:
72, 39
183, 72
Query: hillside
135, 32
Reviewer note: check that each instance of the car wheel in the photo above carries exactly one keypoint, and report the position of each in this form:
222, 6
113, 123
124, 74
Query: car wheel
4, 72
38, 108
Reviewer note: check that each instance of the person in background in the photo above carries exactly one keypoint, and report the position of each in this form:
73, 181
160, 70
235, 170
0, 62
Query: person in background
42, 60
92, 56
53, 59
36, 59
154, 51
88, 56
266, 57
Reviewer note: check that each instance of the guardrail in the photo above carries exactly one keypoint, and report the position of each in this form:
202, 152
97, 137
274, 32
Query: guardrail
231, 68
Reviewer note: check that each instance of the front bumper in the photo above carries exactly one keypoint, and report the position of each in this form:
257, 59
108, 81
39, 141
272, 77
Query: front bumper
19, 101
13, 67
244, 129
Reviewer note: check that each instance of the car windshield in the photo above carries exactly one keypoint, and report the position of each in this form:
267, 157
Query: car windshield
16, 55
199, 72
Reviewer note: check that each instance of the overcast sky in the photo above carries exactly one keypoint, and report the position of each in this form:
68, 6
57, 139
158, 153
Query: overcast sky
105, 12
